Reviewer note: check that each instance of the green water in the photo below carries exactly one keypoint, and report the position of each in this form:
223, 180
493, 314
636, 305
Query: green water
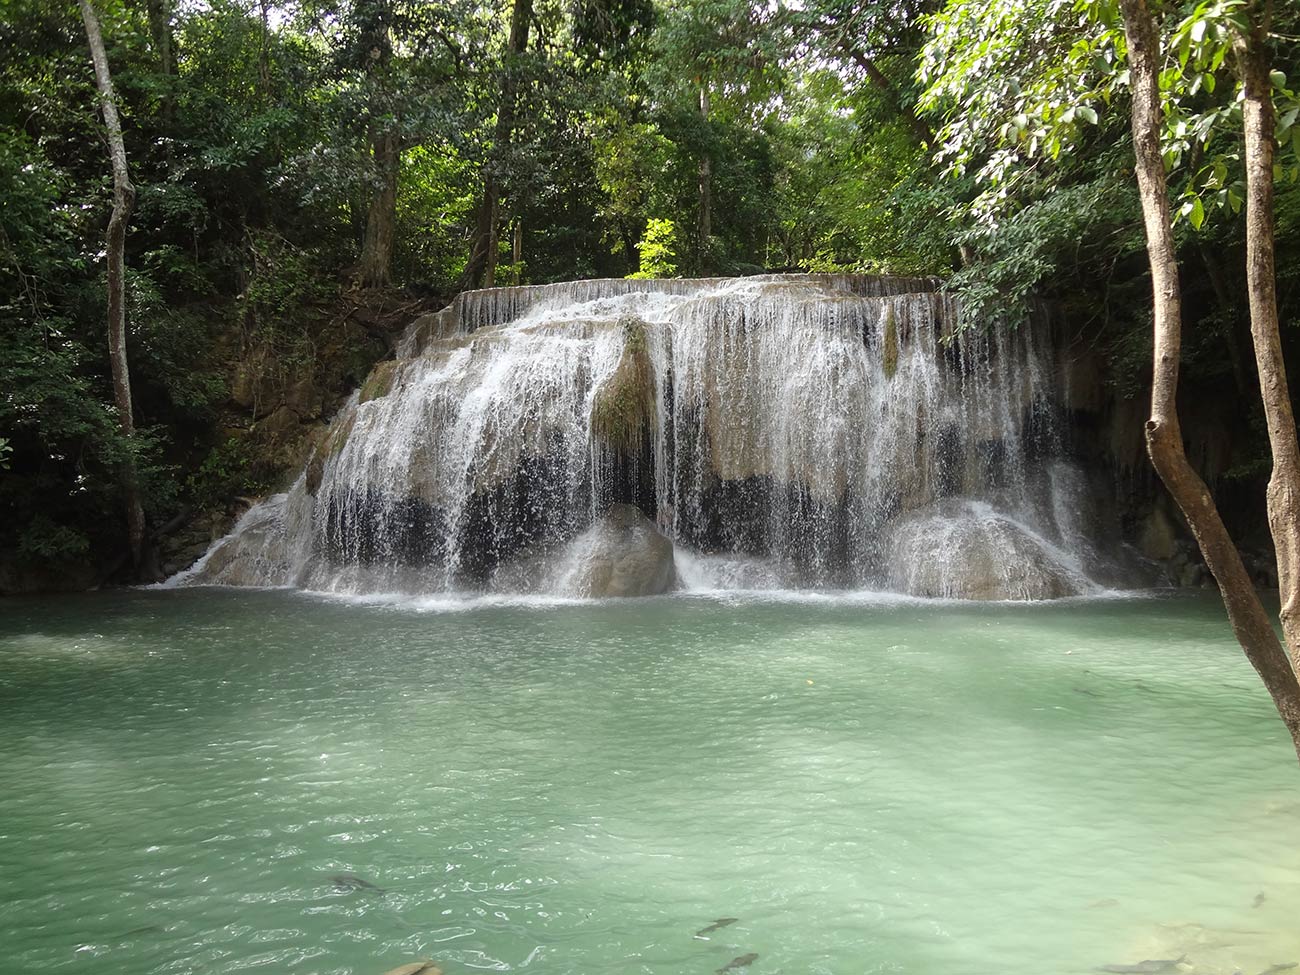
867, 787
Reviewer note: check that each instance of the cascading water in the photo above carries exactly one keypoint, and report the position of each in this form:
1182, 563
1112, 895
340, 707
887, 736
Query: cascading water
783, 431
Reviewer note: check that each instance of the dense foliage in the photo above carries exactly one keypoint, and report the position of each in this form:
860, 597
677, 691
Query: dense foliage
293, 155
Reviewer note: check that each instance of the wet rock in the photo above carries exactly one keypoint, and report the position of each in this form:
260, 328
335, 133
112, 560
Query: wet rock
257, 553
1157, 535
623, 409
966, 550
280, 424
622, 554
380, 381
1152, 966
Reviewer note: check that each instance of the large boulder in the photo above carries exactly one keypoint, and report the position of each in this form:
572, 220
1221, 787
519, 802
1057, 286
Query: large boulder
968, 550
622, 554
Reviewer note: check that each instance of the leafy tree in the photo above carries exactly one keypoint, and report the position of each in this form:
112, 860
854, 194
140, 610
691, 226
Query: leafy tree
1180, 105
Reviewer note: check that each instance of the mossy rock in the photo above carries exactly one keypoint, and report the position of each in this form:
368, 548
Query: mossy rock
380, 381
334, 442
624, 413
316, 460
890, 345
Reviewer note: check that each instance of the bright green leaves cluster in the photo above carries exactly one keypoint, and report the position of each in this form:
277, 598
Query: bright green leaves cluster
1018, 81
1012, 81
657, 250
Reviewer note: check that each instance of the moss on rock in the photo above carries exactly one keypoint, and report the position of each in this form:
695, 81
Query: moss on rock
890, 345
624, 414
380, 381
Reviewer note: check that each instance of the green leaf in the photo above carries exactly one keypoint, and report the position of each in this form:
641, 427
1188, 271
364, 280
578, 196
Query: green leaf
1278, 78
1197, 216
1087, 114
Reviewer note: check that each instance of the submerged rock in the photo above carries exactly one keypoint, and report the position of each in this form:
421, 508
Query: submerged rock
422, 967
622, 554
967, 550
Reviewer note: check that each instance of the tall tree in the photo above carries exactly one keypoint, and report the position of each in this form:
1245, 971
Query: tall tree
164, 44
722, 63
377, 51
1250, 621
1022, 82
481, 270
1283, 496
123, 202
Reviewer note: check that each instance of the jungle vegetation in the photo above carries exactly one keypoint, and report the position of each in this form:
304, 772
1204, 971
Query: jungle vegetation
286, 158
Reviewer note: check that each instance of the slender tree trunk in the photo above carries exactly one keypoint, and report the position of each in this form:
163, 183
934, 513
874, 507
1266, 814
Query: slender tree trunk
1261, 284
375, 267
123, 201
704, 228
517, 251
481, 268
264, 53
1283, 493
1250, 622
920, 128
377, 246
160, 31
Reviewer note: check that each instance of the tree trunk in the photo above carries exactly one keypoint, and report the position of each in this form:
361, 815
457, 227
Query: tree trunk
1261, 285
375, 267
920, 128
517, 251
481, 268
264, 54
377, 246
704, 228
1250, 622
160, 30
123, 201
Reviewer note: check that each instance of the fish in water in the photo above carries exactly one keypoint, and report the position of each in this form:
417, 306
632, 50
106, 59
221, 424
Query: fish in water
350, 881
721, 922
735, 963
147, 929
1152, 966
1283, 967
1260, 898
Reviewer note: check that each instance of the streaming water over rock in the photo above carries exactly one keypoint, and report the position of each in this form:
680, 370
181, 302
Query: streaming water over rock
782, 431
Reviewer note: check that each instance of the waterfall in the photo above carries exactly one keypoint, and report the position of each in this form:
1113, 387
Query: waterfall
783, 431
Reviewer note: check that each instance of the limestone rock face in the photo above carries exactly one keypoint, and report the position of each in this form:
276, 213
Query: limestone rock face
831, 431
622, 554
257, 553
966, 550
1157, 536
